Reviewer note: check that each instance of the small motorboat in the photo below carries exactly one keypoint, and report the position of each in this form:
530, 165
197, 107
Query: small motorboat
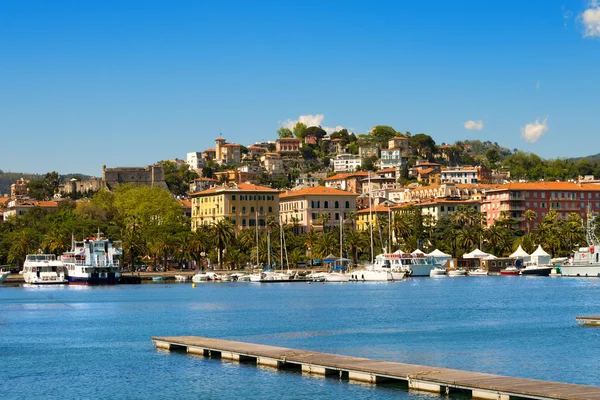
457, 272
478, 272
337, 277
533, 269
158, 279
510, 271
3, 276
181, 278
437, 271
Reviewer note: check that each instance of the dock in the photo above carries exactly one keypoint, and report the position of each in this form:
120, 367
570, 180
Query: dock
591, 320
416, 377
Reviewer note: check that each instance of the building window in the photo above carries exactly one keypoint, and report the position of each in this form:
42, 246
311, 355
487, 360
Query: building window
325, 204
270, 209
337, 204
252, 209
244, 222
347, 204
233, 209
233, 197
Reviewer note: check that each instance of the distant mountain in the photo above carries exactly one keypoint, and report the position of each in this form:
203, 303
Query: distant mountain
595, 157
8, 178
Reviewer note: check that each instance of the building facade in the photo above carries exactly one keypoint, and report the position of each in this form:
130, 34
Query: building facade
346, 163
244, 204
466, 174
514, 199
195, 161
307, 207
350, 182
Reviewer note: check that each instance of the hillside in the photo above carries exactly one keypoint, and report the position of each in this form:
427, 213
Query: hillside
8, 178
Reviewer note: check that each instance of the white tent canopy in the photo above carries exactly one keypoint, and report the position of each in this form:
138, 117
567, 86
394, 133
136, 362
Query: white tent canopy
540, 257
400, 252
476, 254
439, 254
418, 251
520, 253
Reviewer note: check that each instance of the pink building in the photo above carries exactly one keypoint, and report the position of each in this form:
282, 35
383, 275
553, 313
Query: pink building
516, 198
287, 145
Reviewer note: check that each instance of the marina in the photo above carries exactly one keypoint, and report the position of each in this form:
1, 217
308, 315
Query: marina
416, 377
51, 331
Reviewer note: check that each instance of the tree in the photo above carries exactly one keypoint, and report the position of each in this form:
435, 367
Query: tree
178, 178
530, 215
223, 234
424, 145
493, 156
381, 134
284, 132
300, 130
316, 131
355, 242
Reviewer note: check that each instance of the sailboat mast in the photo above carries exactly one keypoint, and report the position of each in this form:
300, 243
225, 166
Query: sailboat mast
256, 224
370, 218
341, 238
281, 242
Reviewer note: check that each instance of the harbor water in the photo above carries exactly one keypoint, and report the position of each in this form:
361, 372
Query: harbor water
66, 342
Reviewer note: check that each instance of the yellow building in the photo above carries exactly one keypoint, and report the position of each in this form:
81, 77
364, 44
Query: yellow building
245, 205
368, 216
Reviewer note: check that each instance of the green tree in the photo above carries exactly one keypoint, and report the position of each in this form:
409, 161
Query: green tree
284, 132
381, 134
300, 130
223, 234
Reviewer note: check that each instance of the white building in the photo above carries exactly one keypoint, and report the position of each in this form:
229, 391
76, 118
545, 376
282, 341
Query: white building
195, 161
346, 163
391, 158
460, 175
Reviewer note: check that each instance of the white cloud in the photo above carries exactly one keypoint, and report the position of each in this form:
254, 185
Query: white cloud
591, 19
534, 131
474, 125
310, 120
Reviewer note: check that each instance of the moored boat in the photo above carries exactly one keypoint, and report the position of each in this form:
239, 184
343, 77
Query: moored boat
3, 276
532, 269
478, 272
585, 260
457, 272
437, 271
510, 271
93, 262
44, 269
158, 279
182, 278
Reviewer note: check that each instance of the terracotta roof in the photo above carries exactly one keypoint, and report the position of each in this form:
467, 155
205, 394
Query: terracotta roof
345, 176
378, 208
35, 203
205, 180
569, 186
245, 187
383, 171
289, 139
426, 171
4, 200
445, 201
255, 146
317, 190
232, 145
207, 150
185, 203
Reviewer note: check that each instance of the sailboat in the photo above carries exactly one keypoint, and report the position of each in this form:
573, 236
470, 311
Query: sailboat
255, 277
337, 273
271, 275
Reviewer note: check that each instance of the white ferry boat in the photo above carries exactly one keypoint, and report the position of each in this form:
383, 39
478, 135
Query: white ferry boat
586, 260
417, 264
387, 267
43, 269
93, 262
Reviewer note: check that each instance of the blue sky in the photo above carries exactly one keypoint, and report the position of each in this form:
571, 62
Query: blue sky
129, 83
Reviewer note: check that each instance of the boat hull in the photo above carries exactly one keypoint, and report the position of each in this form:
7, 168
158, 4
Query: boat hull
336, 277
422, 269
376, 276
540, 271
592, 270
111, 279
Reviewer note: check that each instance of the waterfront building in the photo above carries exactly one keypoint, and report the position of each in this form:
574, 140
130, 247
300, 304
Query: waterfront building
369, 216
19, 188
200, 184
438, 208
305, 208
515, 198
244, 204
346, 163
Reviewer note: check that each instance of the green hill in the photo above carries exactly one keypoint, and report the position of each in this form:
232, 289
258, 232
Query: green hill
8, 178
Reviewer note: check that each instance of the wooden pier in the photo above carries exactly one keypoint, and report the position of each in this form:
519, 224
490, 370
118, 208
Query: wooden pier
416, 377
591, 320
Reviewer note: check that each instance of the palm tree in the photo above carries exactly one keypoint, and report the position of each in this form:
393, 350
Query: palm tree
323, 219
355, 242
22, 243
327, 245
56, 241
198, 244
530, 215
223, 234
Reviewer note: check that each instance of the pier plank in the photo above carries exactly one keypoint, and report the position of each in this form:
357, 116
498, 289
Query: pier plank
429, 377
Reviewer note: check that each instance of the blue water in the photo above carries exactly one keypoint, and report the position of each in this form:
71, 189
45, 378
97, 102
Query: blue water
94, 342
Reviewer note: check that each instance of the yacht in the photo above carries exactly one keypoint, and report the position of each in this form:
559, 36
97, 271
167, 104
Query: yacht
533, 269
44, 269
437, 271
387, 267
457, 272
586, 260
510, 271
93, 262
